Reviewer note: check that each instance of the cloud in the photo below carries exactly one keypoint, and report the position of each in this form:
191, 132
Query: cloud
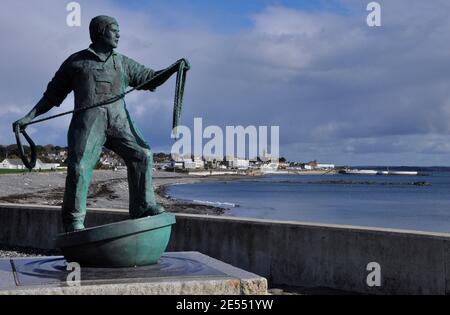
339, 90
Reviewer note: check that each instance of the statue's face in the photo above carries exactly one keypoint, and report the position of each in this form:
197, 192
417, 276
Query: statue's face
111, 36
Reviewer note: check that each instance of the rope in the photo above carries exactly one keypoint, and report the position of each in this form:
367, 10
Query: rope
179, 91
177, 106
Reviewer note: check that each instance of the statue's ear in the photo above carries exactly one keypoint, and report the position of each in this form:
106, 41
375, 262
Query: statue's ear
100, 34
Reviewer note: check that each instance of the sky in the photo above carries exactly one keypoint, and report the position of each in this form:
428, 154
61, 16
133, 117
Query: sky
341, 92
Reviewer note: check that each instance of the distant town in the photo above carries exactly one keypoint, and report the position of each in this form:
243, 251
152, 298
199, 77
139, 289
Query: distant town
54, 158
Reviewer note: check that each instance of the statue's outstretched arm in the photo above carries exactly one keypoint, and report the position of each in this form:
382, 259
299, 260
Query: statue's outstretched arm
57, 90
41, 107
139, 74
165, 74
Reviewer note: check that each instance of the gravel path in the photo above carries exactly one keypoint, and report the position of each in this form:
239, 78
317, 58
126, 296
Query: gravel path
14, 252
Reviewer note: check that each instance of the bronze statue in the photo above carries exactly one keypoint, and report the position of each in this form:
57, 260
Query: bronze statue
96, 75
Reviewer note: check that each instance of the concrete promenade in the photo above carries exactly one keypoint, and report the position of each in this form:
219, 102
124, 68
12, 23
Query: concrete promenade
286, 253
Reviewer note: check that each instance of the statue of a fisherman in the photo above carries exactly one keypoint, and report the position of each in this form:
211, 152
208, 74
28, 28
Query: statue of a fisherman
97, 74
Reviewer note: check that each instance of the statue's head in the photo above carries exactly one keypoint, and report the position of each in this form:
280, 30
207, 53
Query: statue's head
105, 30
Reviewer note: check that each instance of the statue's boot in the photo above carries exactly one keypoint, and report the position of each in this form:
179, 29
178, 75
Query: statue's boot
74, 227
153, 210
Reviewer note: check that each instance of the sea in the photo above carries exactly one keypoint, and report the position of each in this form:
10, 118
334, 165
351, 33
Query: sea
402, 202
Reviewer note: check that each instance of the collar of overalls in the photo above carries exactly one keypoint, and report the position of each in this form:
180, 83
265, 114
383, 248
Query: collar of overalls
103, 59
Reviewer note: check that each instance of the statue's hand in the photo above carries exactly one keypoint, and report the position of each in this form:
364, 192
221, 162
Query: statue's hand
187, 65
21, 123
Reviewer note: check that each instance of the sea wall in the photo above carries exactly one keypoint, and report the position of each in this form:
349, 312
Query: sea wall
286, 253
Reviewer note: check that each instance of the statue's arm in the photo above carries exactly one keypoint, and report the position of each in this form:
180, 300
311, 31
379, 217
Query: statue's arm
57, 90
165, 74
139, 74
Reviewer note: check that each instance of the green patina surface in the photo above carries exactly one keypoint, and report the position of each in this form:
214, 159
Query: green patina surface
129, 243
94, 75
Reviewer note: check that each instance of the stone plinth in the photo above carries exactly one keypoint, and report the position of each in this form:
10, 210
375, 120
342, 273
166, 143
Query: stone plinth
176, 273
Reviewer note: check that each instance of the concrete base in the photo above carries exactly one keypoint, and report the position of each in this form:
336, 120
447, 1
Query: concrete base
176, 273
297, 254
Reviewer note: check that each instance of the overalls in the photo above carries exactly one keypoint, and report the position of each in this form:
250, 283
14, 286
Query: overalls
94, 80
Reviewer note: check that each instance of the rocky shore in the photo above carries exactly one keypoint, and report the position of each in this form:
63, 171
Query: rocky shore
108, 189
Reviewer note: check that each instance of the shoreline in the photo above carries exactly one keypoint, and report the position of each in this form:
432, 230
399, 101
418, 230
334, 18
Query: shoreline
183, 206
108, 189
175, 205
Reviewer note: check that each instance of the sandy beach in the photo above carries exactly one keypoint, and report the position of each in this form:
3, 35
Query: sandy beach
108, 189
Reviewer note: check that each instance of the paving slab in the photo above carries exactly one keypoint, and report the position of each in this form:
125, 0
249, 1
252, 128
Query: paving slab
176, 273
6, 274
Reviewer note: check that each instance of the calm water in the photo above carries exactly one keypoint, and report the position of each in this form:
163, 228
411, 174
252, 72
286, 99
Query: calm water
380, 201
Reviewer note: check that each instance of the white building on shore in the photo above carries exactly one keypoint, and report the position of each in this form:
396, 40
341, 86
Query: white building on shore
270, 168
188, 164
237, 163
325, 166
17, 164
